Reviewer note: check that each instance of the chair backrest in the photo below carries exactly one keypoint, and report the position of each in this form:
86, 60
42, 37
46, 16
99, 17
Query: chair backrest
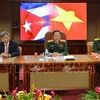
89, 47
48, 36
20, 49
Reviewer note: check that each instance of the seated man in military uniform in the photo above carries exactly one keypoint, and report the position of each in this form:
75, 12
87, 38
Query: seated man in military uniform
57, 46
96, 45
96, 48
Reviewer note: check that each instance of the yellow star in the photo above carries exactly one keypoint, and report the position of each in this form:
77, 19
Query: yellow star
66, 17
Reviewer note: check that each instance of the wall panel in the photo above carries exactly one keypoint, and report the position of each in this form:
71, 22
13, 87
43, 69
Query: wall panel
5, 17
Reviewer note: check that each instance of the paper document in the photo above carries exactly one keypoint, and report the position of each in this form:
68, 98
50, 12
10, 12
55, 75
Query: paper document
69, 57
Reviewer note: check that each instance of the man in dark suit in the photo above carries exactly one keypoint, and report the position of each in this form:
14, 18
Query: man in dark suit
8, 48
57, 46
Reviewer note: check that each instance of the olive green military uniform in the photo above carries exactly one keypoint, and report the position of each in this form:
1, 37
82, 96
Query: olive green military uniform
96, 48
96, 45
59, 47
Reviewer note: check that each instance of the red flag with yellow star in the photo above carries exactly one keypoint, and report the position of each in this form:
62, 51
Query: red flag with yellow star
72, 20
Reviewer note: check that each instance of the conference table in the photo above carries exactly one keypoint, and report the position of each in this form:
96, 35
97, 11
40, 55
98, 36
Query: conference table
7, 74
52, 74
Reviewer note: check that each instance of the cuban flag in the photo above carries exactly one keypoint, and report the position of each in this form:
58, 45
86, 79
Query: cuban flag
35, 20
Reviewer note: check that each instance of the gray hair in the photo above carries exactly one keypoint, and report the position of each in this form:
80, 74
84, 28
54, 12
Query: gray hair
2, 34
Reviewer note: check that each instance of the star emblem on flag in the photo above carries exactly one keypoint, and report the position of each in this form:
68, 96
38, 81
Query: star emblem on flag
27, 26
66, 17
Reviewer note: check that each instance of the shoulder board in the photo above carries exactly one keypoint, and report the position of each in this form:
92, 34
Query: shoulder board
96, 39
50, 40
62, 40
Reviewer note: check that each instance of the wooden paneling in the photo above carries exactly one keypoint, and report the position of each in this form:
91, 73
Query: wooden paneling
5, 17
61, 80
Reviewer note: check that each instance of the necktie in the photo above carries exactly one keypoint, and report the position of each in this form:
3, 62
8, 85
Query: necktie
6, 49
57, 43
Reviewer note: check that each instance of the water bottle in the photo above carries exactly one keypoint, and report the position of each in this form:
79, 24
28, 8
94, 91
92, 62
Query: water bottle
46, 54
1, 59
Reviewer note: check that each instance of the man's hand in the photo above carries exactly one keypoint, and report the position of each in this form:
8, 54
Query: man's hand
56, 54
4, 55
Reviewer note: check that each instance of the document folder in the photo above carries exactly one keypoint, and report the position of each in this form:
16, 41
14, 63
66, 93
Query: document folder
69, 57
